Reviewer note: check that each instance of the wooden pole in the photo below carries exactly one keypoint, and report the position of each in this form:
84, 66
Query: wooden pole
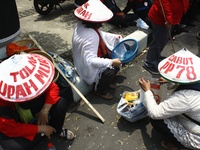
169, 32
71, 84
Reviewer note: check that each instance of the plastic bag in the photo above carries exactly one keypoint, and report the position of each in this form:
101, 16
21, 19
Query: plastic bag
66, 67
69, 71
131, 107
142, 24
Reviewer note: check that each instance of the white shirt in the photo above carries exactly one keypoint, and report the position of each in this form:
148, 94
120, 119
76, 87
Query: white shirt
85, 42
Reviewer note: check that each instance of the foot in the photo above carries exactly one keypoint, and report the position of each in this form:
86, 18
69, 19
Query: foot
168, 145
106, 96
67, 134
151, 69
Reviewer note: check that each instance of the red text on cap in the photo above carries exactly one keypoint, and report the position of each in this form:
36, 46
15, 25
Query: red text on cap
180, 66
83, 12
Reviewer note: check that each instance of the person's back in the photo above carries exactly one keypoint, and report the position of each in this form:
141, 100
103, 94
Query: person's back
90, 54
172, 14
82, 41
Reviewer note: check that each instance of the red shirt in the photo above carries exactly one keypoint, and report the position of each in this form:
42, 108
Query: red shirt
173, 10
11, 128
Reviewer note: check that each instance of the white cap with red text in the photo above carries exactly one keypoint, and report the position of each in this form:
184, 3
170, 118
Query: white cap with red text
181, 67
93, 11
25, 76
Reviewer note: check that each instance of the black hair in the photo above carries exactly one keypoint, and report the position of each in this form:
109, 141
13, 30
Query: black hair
92, 24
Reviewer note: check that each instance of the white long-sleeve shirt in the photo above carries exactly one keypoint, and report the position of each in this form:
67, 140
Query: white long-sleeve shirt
85, 44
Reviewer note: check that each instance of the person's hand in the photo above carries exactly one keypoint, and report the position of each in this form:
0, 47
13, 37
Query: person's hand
145, 85
116, 62
162, 80
122, 14
43, 117
46, 130
168, 25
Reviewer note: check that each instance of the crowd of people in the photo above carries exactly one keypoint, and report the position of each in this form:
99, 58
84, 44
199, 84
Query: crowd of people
91, 52
24, 118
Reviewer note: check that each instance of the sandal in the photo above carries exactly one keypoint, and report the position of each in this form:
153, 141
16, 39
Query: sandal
107, 96
168, 145
67, 134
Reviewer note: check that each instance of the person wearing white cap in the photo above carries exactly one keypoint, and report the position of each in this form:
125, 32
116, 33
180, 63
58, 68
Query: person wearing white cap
89, 45
178, 117
30, 102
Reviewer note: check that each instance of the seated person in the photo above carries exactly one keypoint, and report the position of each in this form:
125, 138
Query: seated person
120, 19
90, 54
31, 110
177, 117
140, 8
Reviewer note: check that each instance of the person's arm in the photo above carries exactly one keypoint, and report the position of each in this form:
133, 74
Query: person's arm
11, 128
46, 130
166, 12
51, 97
43, 114
128, 7
52, 94
111, 4
91, 44
176, 104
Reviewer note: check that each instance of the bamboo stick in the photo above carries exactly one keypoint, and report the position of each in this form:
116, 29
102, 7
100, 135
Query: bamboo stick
71, 84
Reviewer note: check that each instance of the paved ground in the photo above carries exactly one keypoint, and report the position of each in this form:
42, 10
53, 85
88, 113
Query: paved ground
54, 32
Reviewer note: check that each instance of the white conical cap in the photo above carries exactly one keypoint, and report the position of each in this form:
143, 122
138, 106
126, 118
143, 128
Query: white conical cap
25, 76
93, 11
181, 67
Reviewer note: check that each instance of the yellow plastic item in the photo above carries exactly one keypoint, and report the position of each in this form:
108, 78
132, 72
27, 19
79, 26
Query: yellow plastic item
130, 96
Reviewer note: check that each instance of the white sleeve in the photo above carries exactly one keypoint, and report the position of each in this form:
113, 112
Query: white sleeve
110, 39
174, 105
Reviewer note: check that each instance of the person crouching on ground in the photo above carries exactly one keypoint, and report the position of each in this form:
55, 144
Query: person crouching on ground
90, 47
177, 117
33, 105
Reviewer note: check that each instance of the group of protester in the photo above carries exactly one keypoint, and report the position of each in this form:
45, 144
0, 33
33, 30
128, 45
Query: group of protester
91, 55
91, 52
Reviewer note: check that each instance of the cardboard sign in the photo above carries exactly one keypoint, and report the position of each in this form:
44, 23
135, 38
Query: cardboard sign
93, 11
181, 67
24, 77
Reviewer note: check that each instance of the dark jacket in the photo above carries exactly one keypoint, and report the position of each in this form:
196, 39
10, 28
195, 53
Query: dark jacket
140, 7
111, 4
117, 20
